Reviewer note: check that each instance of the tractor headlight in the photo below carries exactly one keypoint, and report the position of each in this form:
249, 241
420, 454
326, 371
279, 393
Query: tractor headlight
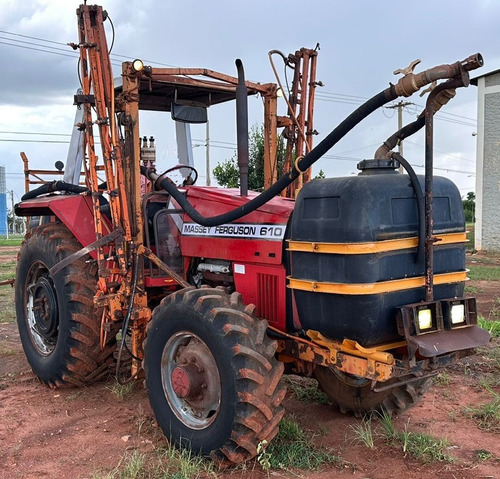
424, 319
138, 65
457, 313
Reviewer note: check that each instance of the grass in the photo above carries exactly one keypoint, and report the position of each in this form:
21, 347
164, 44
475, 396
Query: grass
424, 447
121, 391
293, 448
493, 353
8, 270
363, 432
12, 241
442, 379
163, 463
471, 235
487, 415
472, 289
7, 306
6, 351
486, 273
493, 327
483, 455
305, 390
421, 446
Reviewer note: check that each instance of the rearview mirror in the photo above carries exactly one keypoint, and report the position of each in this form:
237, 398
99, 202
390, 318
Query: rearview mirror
188, 113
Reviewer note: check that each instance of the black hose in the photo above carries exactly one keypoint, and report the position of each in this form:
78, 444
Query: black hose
420, 203
126, 322
400, 135
57, 185
333, 137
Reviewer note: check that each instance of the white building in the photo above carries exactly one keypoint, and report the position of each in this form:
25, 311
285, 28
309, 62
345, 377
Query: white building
488, 162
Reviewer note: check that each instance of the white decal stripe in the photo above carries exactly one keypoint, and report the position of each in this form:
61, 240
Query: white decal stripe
177, 218
236, 230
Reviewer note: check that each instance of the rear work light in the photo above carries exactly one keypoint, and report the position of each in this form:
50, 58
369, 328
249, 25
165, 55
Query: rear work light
457, 313
424, 319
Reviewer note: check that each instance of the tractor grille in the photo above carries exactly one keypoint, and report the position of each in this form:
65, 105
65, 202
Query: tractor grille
267, 296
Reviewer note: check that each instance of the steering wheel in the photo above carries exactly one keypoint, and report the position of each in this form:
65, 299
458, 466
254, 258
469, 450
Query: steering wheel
182, 181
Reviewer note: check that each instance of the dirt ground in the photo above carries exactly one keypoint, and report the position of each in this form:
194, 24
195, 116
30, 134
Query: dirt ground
84, 433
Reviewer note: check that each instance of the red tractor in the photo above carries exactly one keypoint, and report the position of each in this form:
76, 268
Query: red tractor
210, 293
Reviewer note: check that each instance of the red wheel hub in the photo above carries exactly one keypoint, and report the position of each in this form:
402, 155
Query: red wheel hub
187, 381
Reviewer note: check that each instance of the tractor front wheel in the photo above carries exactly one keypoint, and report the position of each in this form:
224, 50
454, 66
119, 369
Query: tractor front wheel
212, 379
352, 394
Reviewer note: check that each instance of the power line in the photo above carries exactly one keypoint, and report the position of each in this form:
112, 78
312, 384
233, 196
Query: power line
33, 133
321, 96
65, 44
32, 141
443, 153
38, 50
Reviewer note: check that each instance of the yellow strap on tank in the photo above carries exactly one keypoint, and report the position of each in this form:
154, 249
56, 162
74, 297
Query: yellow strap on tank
374, 288
372, 247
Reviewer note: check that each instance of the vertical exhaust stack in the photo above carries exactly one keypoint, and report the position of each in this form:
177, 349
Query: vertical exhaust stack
242, 128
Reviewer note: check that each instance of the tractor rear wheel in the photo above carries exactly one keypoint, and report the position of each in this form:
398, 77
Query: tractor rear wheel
352, 394
58, 324
212, 379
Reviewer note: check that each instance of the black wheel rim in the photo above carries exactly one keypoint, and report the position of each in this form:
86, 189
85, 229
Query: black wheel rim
42, 314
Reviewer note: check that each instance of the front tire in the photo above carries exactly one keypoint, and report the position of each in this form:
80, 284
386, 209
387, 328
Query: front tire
58, 324
212, 379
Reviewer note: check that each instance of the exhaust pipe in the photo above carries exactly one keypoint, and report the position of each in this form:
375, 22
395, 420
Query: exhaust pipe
242, 128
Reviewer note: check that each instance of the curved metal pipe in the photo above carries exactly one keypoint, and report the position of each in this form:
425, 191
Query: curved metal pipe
412, 82
385, 150
462, 80
242, 128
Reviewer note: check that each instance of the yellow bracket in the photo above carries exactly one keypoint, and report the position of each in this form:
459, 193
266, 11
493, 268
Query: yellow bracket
352, 347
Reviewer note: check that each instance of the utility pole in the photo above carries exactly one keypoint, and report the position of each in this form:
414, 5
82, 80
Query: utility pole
400, 105
207, 152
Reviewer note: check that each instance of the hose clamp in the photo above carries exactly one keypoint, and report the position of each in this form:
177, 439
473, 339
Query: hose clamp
296, 165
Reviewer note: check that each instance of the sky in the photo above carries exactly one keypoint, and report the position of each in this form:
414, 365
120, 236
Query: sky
361, 44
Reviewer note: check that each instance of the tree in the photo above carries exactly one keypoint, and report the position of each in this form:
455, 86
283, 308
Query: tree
227, 173
469, 205
320, 176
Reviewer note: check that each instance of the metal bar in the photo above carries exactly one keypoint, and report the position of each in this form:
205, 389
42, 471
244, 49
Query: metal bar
404, 381
158, 73
270, 140
462, 80
152, 257
118, 233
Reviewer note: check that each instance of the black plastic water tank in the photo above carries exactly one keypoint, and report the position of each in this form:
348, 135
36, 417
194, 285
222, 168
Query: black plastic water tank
361, 214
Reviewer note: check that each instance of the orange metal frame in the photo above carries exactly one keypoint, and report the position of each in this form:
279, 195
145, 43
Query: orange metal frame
120, 160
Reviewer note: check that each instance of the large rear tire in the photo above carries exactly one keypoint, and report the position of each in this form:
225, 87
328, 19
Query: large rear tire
58, 324
352, 394
212, 379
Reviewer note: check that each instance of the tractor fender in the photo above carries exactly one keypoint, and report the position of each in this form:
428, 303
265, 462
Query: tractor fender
74, 211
